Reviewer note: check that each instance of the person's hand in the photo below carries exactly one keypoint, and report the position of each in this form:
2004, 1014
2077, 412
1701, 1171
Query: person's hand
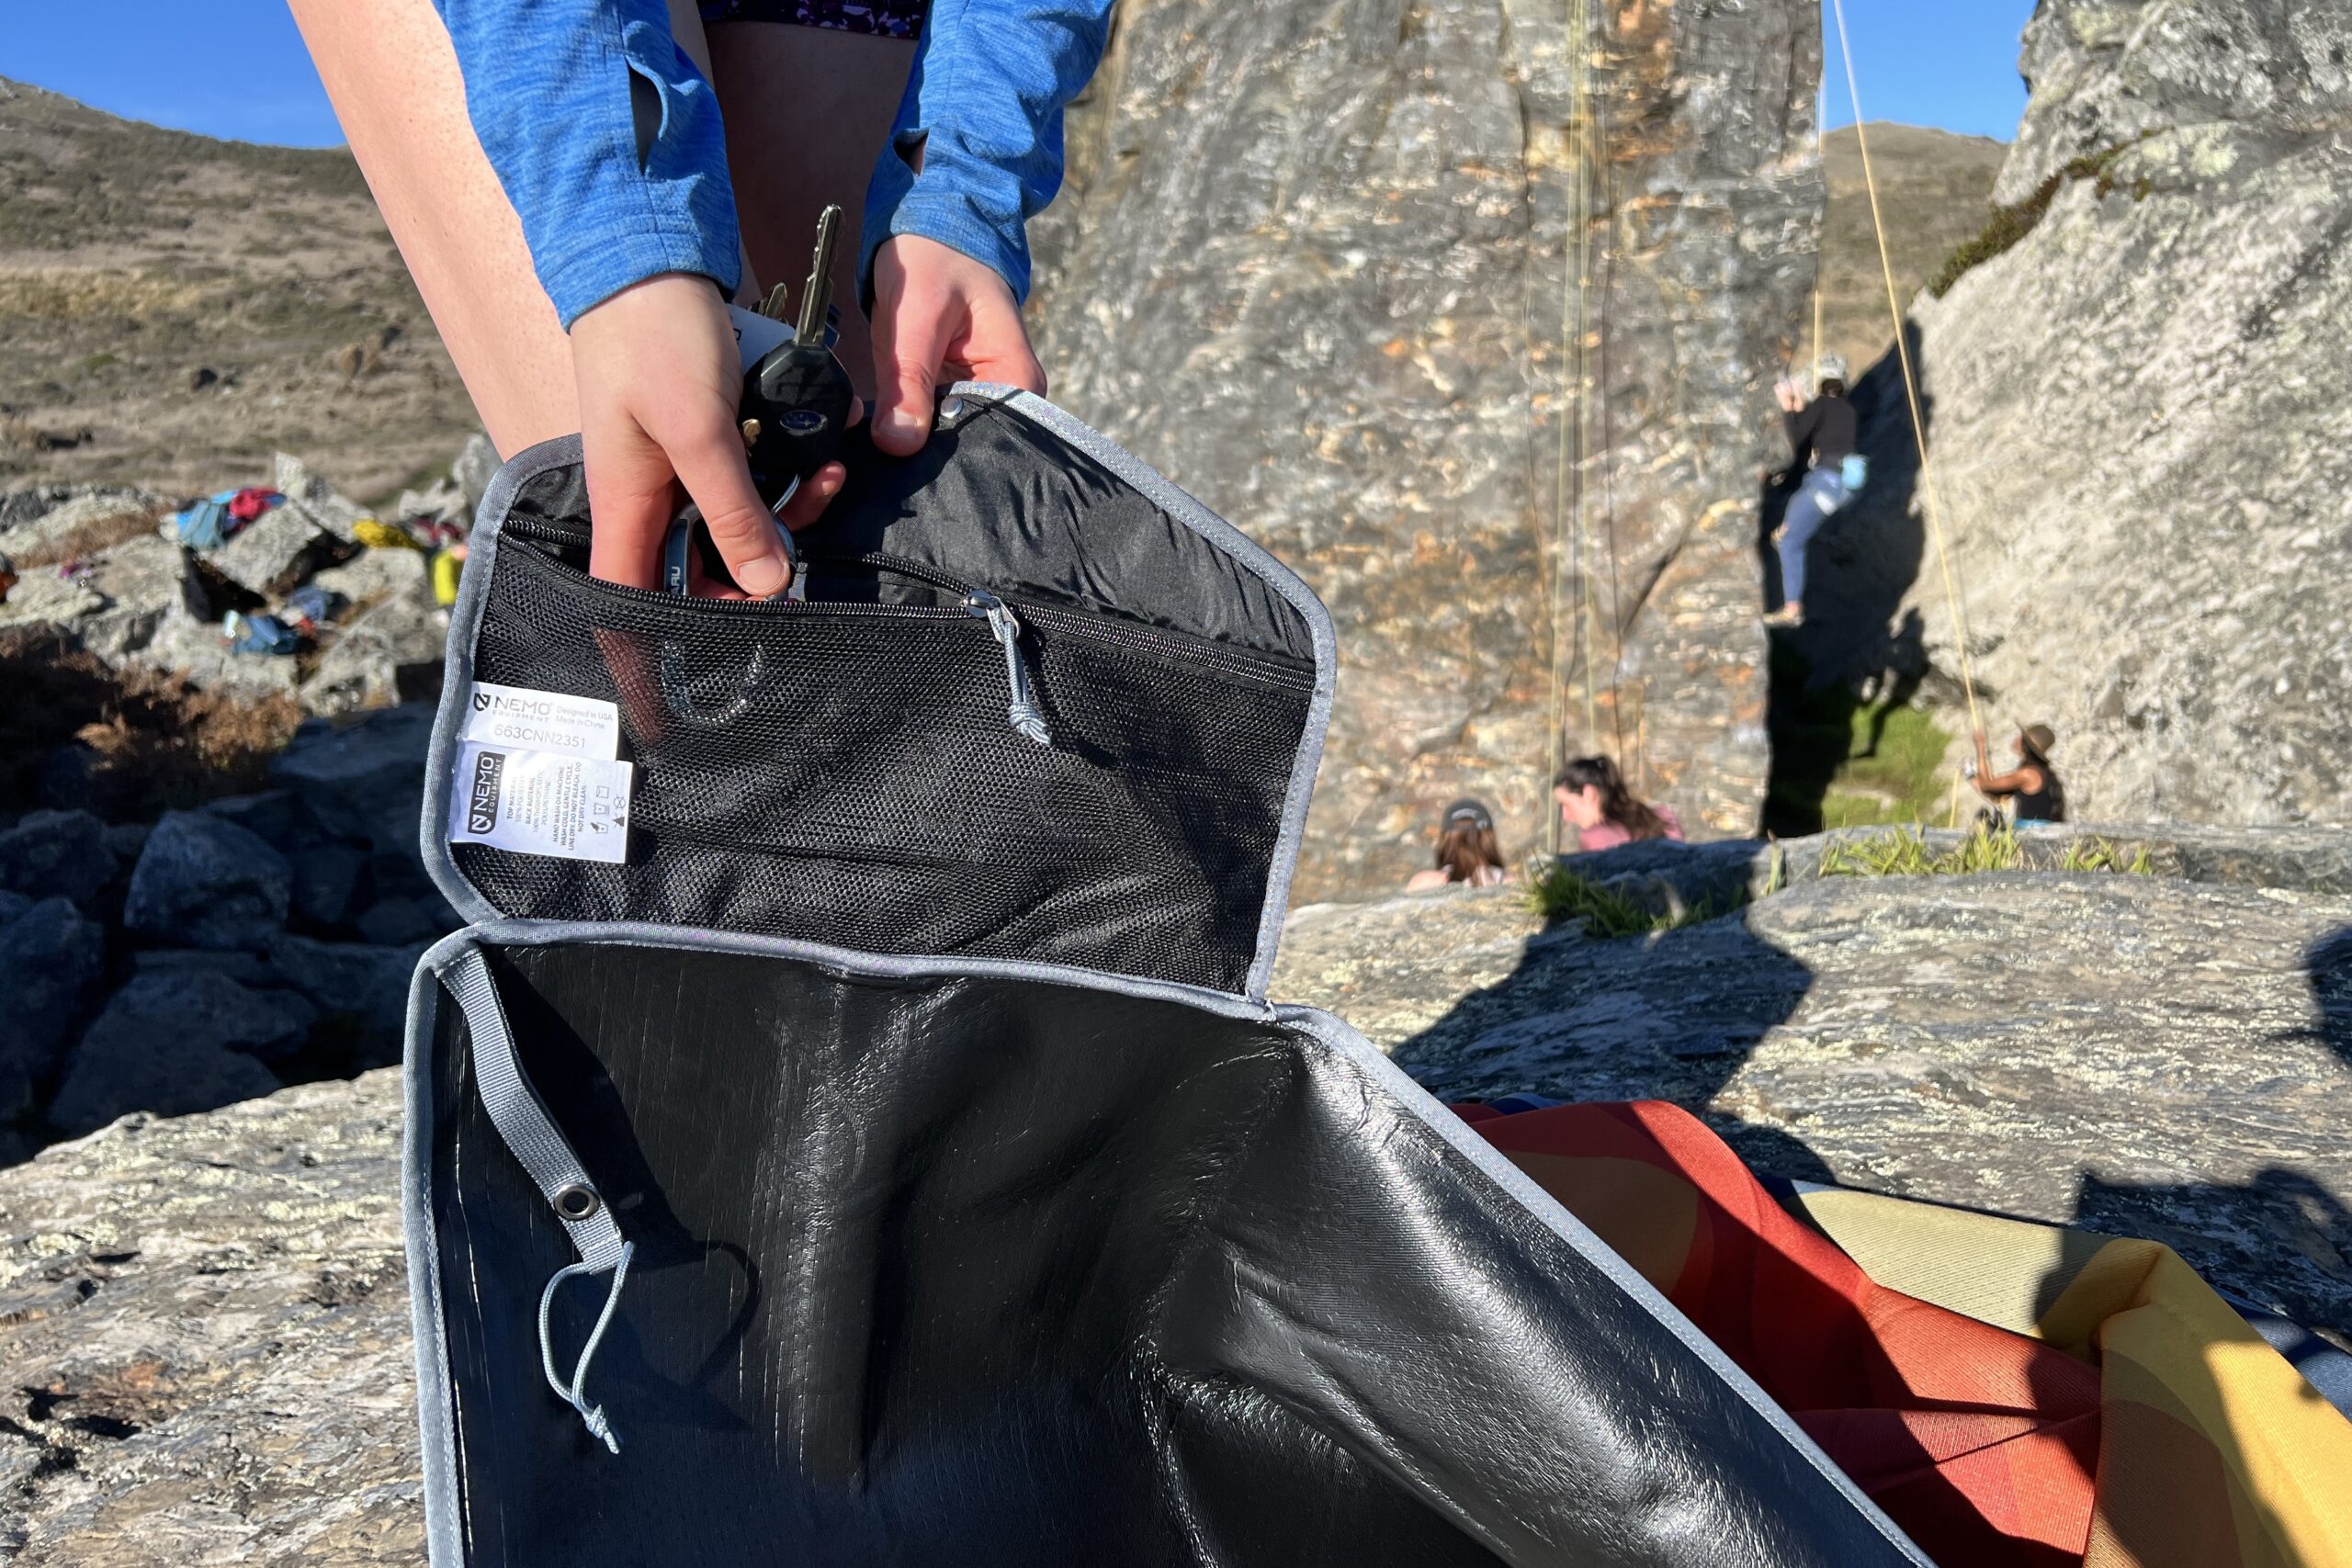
939, 315
660, 381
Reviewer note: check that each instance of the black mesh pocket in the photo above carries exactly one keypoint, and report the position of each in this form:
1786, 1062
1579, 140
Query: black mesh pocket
847, 773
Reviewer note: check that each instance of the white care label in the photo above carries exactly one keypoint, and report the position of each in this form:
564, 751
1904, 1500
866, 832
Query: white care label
519, 717
541, 802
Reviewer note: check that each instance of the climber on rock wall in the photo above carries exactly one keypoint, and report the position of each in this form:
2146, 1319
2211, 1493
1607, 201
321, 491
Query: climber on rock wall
577, 239
1822, 435
2032, 783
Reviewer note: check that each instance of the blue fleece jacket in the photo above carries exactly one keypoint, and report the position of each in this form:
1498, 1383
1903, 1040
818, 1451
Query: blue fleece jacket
608, 143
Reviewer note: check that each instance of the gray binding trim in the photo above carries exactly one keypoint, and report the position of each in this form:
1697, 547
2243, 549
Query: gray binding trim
473, 594
1542, 1206
451, 950
457, 669
444, 1527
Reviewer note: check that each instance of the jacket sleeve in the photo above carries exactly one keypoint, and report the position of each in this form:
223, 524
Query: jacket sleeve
606, 138
1803, 428
984, 106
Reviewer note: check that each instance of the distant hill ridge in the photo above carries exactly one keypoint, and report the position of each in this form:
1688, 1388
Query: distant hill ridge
133, 260
1935, 188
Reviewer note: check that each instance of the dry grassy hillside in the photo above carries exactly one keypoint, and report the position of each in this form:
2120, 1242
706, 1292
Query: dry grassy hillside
1936, 190
134, 261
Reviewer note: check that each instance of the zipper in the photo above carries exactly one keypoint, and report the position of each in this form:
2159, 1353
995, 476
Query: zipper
1019, 711
1004, 622
1021, 708
1159, 642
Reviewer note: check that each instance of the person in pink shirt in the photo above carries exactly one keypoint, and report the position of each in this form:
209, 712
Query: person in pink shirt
1602, 813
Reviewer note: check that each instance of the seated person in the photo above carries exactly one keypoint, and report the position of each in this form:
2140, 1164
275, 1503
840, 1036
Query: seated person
1602, 813
1467, 853
2032, 783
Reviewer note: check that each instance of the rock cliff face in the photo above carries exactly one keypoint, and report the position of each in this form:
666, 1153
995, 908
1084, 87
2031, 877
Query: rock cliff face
205, 1324
2142, 419
1311, 261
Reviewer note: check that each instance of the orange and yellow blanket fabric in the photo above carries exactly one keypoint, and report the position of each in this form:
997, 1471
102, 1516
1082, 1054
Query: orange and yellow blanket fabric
2012, 1394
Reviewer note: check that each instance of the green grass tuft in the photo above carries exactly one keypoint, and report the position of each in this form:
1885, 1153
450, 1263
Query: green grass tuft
1559, 894
1906, 853
2095, 854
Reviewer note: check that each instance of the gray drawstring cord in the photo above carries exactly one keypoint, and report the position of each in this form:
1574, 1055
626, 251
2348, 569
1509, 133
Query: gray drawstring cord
1020, 712
531, 1135
591, 1416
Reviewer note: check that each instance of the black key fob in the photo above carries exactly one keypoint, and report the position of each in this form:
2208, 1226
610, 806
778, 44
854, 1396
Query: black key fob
799, 399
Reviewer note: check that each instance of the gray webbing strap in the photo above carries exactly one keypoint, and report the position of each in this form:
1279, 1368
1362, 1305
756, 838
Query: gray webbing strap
530, 1134
523, 1121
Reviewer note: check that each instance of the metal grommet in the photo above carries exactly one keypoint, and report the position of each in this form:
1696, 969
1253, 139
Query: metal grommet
577, 1202
950, 411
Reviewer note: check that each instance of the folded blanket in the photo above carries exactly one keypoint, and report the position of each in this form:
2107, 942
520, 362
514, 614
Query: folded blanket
2136, 1420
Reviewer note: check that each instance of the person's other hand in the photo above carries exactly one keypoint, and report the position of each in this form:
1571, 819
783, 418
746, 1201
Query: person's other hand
660, 381
939, 315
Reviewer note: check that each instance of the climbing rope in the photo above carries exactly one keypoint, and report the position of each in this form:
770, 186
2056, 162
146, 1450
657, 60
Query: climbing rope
1910, 377
1567, 552
1821, 156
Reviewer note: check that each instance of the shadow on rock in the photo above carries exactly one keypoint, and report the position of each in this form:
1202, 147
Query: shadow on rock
1670, 1017
2230, 1233
2329, 963
219, 953
2281, 1242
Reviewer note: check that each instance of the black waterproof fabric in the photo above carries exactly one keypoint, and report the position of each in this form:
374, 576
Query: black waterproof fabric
945, 1258
844, 770
1005, 1271
996, 497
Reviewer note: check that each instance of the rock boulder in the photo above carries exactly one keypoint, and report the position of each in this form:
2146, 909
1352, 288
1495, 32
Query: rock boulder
51, 960
1317, 274
206, 1335
60, 852
2142, 419
169, 1042
203, 881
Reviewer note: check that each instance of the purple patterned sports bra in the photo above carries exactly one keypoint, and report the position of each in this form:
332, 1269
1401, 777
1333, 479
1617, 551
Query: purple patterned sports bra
882, 18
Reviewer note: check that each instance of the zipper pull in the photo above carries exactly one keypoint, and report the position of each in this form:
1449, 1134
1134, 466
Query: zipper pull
1020, 712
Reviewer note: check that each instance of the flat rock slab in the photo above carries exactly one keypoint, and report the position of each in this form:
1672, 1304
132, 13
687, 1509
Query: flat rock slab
204, 1324
2134, 1055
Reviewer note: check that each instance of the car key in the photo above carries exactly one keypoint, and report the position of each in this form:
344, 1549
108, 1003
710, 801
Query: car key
794, 410
797, 401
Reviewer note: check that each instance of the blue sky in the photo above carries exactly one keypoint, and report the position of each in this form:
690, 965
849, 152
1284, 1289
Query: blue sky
1949, 64
236, 67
